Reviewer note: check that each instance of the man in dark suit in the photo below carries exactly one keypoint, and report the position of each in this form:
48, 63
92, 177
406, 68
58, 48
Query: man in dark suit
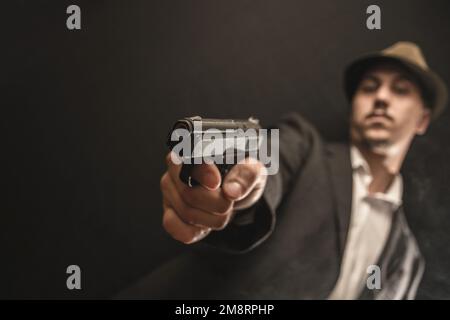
331, 215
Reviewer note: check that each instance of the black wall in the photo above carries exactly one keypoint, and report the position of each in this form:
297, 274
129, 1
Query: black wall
85, 115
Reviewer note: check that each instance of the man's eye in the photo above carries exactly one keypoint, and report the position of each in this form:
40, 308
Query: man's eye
368, 87
401, 90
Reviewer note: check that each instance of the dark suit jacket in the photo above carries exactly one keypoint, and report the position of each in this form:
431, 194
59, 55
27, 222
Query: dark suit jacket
290, 244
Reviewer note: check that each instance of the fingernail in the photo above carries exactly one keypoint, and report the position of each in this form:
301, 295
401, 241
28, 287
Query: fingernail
233, 189
211, 181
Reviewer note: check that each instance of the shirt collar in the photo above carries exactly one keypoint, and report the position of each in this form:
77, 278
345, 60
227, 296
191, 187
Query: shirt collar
358, 160
394, 193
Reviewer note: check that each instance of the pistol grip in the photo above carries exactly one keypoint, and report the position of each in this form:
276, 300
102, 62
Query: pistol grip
186, 172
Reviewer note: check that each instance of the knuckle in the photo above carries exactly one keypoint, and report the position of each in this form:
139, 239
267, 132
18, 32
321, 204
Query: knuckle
221, 222
223, 206
258, 166
163, 183
176, 233
186, 239
167, 222
190, 236
168, 159
189, 215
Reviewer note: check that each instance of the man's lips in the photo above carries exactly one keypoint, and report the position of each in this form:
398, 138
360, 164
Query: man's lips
379, 117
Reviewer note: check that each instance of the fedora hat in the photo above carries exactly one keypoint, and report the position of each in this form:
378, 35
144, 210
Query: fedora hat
409, 56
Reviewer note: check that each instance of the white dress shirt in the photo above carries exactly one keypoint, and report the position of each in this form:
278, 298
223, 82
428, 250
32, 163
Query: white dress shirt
370, 223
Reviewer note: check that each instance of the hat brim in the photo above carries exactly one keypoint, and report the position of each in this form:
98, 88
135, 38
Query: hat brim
430, 82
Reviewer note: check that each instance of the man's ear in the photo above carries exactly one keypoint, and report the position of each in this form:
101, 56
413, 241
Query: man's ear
424, 122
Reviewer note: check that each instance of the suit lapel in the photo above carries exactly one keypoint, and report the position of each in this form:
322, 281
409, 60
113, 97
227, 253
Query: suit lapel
342, 179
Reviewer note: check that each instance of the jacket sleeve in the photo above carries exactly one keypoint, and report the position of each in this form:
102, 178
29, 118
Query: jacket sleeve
252, 226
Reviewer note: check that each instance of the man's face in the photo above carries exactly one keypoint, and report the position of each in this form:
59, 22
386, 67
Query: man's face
387, 108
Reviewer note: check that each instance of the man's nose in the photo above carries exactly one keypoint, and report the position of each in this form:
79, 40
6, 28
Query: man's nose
382, 97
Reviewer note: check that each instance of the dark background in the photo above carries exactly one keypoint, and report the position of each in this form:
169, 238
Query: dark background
85, 116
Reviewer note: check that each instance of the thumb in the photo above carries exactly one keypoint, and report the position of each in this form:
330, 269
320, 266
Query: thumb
243, 178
